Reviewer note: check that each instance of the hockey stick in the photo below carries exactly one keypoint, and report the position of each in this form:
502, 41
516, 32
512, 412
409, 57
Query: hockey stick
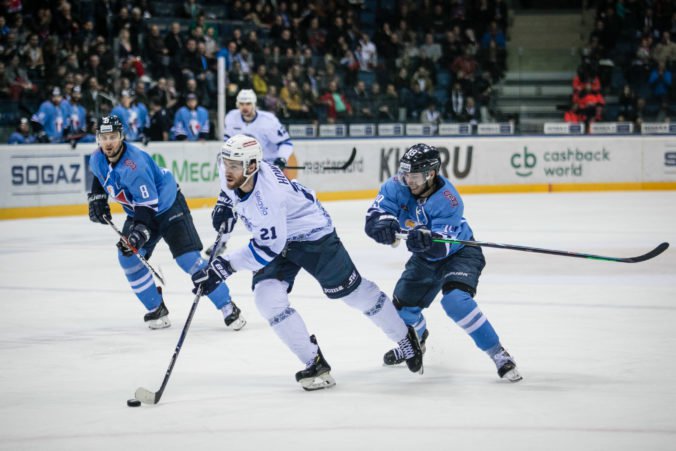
641, 258
136, 252
332, 168
149, 397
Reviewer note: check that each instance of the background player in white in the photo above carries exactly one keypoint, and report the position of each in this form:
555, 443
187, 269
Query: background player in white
292, 231
262, 125
425, 203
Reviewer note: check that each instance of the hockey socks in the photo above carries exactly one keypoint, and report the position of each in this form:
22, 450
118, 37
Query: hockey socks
141, 281
463, 309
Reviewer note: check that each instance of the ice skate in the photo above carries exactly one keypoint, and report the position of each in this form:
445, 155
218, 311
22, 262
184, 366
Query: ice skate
158, 318
234, 320
316, 375
506, 366
396, 356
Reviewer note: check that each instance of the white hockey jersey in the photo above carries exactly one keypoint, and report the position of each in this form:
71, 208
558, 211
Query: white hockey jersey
266, 128
277, 210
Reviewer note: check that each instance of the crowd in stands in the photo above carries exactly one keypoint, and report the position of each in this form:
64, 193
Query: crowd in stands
155, 63
631, 55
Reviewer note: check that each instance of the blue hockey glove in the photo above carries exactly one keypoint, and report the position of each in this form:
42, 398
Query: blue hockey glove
209, 278
382, 228
223, 214
99, 209
280, 163
419, 239
138, 235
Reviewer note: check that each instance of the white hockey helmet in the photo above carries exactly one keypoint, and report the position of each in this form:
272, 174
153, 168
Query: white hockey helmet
247, 96
242, 148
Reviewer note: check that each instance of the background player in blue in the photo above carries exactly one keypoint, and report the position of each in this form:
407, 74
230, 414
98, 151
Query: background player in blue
50, 118
134, 117
156, 209
192, 121
22, 134
292, 231
422, 201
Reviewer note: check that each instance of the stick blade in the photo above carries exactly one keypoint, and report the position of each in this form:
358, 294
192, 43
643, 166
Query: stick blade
652, 254
146, 396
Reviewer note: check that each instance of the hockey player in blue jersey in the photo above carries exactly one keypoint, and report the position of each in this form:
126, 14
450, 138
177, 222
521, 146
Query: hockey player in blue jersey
192, 121
292, 231
134, 117
420, 200
49, 118
156, 209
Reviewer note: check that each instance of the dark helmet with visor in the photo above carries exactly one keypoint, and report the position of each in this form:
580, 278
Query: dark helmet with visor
419, 159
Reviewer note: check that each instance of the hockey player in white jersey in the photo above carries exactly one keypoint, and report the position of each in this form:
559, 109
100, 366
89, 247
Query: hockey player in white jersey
292, 231
262, 125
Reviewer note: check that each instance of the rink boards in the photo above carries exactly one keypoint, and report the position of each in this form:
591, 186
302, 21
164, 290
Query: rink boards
52, 180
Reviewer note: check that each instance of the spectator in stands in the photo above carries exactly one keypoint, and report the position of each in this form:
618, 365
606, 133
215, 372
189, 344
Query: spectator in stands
190, 9
160, 122
191, 121
416, 101
5, 85
665, 50
660, 82
33, 58
470, 113
338, 108
590, 103
259, 81
573, 115
157, 53
627, 110
20, 85
360, 101
293, 102
456, 103
22, 134
368, 58
271, 101
430, 115
431, 49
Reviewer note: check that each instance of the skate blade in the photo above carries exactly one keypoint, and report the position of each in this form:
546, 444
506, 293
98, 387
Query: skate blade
320, 382
160, 323
238, 324
512, 375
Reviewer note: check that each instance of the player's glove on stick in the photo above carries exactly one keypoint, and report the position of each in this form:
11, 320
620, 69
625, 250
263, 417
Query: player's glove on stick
138, 236
99, 209
280, 162
209, 278
419, 239
223, 214
383, 228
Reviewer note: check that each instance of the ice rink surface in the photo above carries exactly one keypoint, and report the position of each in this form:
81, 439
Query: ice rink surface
595, 342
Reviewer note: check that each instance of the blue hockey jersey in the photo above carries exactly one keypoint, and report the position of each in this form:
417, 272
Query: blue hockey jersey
442, 212
135, 180
191, 123
135, 119
52, 120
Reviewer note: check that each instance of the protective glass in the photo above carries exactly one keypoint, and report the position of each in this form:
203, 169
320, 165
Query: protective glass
233, 167
412, 180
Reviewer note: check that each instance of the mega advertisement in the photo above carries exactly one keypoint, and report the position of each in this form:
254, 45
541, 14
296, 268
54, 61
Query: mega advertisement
47, 175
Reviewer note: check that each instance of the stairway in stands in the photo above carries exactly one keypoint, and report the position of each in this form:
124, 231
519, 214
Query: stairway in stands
543, 55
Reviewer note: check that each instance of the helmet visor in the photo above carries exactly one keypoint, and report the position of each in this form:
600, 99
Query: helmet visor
413, 180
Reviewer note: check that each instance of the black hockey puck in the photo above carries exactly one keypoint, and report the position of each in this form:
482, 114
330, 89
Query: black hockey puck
133, 402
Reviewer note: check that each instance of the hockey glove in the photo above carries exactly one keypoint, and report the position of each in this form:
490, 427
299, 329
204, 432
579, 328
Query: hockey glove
280, 163
138, 235
419, 239
99, 210
223, 214
208, 278
382, 228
